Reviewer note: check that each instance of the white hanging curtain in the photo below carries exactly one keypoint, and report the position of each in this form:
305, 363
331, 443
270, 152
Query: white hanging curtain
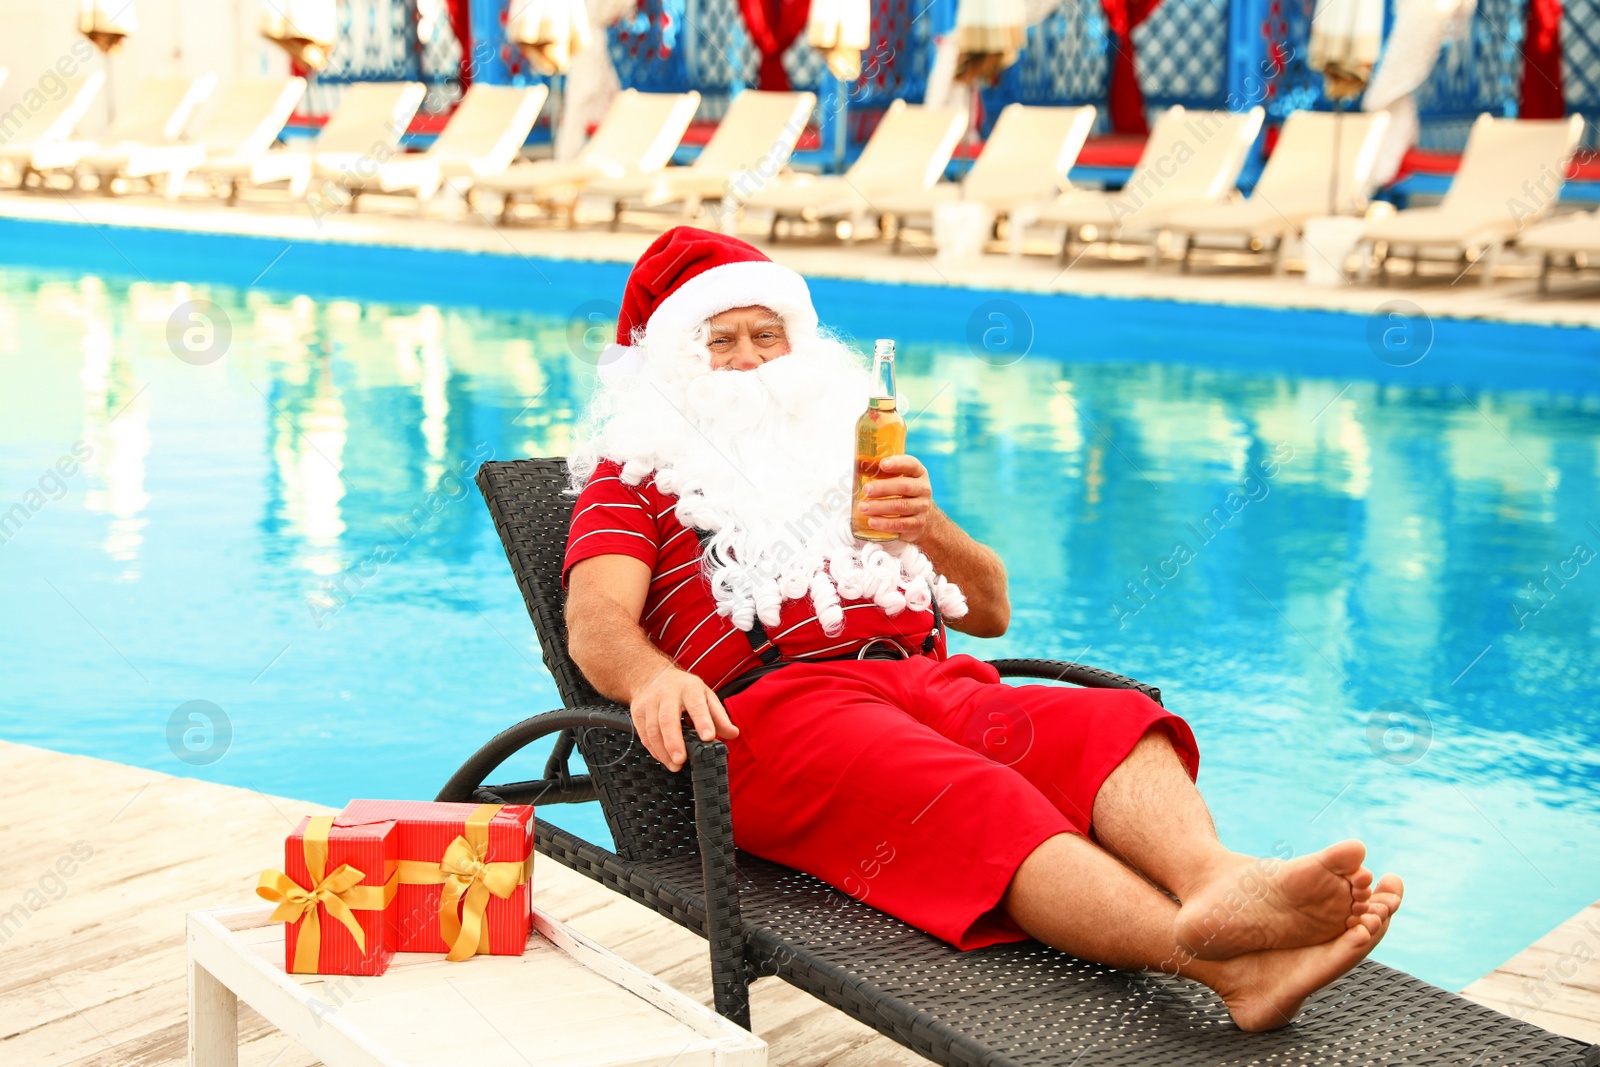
989, 36
1345, 38
1420, 30
591, 82
431, 17
550, 33
306, 29
107, 22
948, 49
841, 30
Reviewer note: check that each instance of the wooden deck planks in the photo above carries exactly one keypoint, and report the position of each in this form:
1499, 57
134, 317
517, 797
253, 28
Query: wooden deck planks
94, 975
1554, 982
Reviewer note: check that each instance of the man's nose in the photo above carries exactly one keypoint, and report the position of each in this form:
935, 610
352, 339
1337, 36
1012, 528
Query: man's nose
745, 355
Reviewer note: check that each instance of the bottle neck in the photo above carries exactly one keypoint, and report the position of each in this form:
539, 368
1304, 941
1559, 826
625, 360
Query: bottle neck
883, 391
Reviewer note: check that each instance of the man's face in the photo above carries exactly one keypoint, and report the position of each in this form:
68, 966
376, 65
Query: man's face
745, 338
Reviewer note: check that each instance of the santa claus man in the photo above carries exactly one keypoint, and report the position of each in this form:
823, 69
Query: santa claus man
711, 573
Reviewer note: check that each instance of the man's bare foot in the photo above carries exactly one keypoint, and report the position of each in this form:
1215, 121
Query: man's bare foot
1253, 904
1265, 990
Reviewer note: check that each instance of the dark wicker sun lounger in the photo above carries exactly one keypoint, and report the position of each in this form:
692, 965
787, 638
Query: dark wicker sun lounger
1004, 1006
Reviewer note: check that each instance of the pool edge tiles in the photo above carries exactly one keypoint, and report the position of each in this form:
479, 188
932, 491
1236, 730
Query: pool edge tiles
328, 269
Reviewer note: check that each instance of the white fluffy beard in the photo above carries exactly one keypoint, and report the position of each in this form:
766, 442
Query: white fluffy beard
763, 460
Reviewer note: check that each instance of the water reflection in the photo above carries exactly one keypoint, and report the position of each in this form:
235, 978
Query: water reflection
117, 428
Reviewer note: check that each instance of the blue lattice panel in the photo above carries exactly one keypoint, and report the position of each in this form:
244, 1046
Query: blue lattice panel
1292, 85
720, 59
676, 45
1580, 61
496, 62
648, 48
1181, 54
439, 67
896, 67
1065, 62
1482, 73
1580, 54
377, 42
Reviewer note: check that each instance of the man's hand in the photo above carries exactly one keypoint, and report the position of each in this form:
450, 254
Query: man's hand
909, 511
658, 709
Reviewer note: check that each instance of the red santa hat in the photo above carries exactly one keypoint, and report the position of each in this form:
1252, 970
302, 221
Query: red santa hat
687, 276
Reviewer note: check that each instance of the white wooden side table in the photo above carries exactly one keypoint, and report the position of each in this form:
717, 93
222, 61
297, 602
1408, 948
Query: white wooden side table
568, 1002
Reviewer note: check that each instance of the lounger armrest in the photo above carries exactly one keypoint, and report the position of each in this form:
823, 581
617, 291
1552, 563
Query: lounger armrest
558, 785
1075, 673
713, 816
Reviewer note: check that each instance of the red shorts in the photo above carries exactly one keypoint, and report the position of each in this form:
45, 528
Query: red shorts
919, 786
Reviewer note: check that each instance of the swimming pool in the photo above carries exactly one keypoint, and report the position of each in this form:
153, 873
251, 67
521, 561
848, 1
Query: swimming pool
269, 568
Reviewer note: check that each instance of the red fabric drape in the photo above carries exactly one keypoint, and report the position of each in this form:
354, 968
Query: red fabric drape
461, 26
773, 26
1542, 97
1124, 100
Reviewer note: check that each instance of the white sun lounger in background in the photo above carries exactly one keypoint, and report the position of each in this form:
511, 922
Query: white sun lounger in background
1025, 159
638, 135
1565, 237
1511, 173
363, 130
238, 126
483, 137
1192, 157
1300, 181
909, 150
51, 124
157, 116
751, 145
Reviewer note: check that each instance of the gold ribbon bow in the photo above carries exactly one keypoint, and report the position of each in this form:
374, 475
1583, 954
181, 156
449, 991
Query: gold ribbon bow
339, 892
467, 874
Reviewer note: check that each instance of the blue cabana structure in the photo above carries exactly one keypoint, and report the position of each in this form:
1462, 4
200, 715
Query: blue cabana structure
1208, 54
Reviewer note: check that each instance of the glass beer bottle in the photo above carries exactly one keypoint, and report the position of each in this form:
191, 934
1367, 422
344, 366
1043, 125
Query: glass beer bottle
880, 432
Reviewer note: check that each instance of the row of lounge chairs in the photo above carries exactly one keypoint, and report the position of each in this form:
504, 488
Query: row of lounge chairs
1179, 198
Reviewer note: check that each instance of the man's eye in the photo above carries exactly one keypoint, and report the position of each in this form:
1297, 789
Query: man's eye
715, 341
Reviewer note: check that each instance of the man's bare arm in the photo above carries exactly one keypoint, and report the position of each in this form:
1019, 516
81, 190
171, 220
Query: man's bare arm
909, 511
976, 568
605, 597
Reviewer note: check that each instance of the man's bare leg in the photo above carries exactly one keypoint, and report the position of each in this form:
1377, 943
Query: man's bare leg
1078, 898
1151, 815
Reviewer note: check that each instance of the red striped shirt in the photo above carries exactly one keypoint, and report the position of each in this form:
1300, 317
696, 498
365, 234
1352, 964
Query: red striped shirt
680, 615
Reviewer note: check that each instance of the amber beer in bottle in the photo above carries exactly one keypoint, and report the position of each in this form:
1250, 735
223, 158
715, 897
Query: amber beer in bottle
880, 432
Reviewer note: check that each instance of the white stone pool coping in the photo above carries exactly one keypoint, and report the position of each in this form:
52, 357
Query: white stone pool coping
1512, 298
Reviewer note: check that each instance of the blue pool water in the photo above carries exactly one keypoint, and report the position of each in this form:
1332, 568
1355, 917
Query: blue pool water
284, 542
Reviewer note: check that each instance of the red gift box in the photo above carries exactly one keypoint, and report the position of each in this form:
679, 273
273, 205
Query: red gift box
334, 892
464, 873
